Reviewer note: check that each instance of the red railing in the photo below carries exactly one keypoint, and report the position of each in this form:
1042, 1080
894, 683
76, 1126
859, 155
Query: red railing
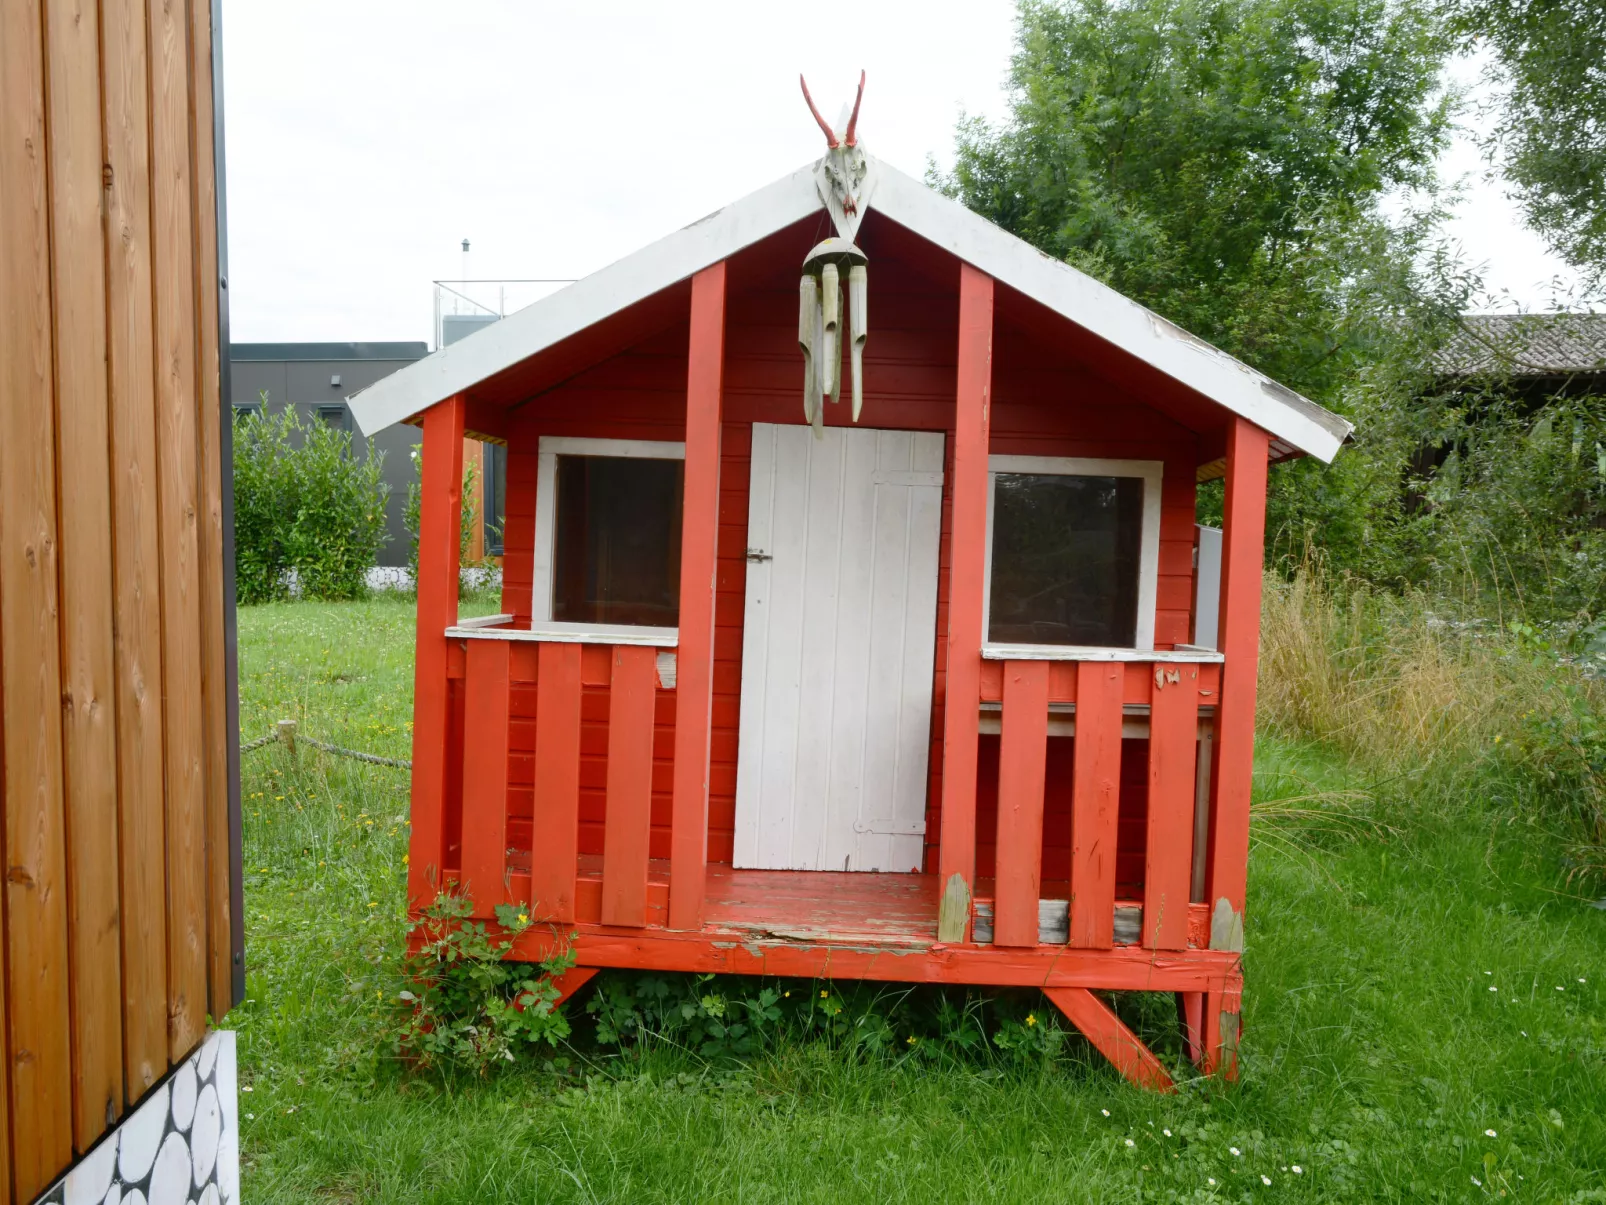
1174, 697
540, 864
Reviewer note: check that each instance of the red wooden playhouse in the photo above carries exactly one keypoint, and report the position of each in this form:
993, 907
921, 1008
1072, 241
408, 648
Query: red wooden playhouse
942, 694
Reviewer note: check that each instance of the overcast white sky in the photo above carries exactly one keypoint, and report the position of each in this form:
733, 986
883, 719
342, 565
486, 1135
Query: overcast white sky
366, 140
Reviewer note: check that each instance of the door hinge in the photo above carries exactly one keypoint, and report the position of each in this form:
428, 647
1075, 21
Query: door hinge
891, 828
758, 554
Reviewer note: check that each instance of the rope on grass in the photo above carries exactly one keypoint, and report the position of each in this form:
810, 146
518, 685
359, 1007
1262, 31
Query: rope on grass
285, 733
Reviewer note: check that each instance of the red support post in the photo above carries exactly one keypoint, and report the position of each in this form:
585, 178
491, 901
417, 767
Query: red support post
1022, 764
694, 687
1168, 845
440, 518
966, 573
1095, 802
486, 695
628, 823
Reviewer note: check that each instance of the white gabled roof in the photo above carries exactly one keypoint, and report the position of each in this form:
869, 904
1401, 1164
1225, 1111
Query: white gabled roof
1074, 295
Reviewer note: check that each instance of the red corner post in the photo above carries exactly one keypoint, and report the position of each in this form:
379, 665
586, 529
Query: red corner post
1243, 542
966, 572
439, 524
694, 687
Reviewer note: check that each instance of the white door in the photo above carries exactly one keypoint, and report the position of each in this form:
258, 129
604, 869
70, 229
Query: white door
837, 650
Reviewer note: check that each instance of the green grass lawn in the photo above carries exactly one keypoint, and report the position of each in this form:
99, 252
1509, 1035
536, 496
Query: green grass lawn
1425, 1019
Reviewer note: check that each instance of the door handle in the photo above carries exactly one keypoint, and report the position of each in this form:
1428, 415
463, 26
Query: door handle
758, 554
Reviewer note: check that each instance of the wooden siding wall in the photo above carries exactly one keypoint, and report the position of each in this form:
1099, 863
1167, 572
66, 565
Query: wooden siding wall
115, 911
1044, 404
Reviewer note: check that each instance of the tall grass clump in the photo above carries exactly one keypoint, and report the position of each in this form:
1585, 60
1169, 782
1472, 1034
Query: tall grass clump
1444, 709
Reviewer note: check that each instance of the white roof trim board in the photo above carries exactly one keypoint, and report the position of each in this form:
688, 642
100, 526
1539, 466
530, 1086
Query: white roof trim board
940, 220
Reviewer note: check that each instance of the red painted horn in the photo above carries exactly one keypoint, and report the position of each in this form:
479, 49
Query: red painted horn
830, 136
851, 137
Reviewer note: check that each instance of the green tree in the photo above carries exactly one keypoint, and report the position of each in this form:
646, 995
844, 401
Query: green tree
1549, 60
1227, 163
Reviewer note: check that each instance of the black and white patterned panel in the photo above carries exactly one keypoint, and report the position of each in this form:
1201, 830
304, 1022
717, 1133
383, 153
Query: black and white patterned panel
180, 1147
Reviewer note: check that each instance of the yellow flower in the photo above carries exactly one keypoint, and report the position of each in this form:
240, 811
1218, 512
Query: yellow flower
523, 919
824, 995
1031, 1018
911, 1039
404, 860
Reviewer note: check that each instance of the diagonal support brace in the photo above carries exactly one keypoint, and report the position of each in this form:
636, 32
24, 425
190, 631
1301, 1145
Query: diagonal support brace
1111, 1037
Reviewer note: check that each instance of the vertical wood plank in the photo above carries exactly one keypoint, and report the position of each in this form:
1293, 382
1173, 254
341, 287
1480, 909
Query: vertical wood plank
1243, 539
1095, 802
214, 655
72, 36
555, 826
131, 375
629, 816
694, 686
178, 523
486, 700
1168, 857
1022, 759
38, 1059
966, 573
440, 515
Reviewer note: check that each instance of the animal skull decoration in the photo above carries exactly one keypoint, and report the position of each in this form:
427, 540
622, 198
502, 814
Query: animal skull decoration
844, 178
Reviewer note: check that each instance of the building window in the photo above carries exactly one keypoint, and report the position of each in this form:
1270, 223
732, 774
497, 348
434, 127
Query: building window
244, 410
608, 518
1073, 552
331, 415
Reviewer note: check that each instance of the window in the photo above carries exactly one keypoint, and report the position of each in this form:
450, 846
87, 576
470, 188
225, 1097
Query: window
244, 410
1073, 549
331, 415
608, 518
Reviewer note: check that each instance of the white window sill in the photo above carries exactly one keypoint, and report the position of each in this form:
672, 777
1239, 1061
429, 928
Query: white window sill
1073, 652
552, 632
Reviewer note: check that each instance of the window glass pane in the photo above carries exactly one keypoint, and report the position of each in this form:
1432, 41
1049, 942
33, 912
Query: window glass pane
617, 554
1065, 559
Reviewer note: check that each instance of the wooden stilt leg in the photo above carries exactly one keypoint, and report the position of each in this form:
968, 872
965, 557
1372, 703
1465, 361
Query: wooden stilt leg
1222, 1029
571, 981
1111, 1037
1190, 1015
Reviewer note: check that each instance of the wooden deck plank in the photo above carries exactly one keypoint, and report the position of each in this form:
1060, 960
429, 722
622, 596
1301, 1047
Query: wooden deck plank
136, 559
179, 525
1110, 1036
1022, 759
485, 737
555, 827
629, 820
38, 1059
83, 448
214, 656
1095, 803
694, 688
967, 555
1168, 859
438, 534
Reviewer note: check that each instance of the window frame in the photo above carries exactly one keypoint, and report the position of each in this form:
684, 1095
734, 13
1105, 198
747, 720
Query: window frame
1151, 473
546, 511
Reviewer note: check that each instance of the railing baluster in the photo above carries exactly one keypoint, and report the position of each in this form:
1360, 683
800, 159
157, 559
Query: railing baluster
1168, 864
629, 819
1095, 802
555, 828
1022, 755
485, 735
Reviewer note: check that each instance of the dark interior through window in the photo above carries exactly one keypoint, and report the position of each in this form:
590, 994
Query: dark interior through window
1065, 559
617, 554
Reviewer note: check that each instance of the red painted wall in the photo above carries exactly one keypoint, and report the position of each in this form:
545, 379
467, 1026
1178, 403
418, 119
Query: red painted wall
1045, 403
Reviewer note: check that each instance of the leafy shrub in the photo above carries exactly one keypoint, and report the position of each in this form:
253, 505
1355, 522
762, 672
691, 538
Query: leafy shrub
468, 519
734, 1017
303, 503
467, 1006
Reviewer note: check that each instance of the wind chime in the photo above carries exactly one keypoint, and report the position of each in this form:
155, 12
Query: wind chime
844, 178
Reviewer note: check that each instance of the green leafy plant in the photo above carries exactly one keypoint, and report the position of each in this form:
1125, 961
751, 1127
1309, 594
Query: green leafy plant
468, 520
468, 1006
303, 504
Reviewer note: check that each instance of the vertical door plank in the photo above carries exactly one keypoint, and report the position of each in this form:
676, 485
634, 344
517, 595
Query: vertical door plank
136, 561
629, 817
755, 805
1168, 860
968, 551
72, 35
1022, 758
486, 701
38, 1060
694, 683
1095, 802
555, 827
1243, 537
441, 503
179, 523
214, 656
